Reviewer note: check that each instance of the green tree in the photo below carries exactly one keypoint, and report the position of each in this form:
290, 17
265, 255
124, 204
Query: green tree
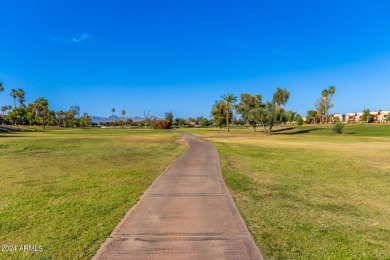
41, 107
218, 113
205, 122
331, 91
61, 118
128, 122
248, 108
229, 99
299, 120
273, 113
3, 109
312, 116
367, 117
30, 114
290, 116
85, 120
169, 117
181, 121
51, 118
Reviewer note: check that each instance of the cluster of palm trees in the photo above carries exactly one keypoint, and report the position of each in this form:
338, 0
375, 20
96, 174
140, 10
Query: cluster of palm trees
38, 112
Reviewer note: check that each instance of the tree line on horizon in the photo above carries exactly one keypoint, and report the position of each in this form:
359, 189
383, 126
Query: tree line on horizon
39, 113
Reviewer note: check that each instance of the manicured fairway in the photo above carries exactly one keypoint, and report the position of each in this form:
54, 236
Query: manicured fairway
65, 190
308, 193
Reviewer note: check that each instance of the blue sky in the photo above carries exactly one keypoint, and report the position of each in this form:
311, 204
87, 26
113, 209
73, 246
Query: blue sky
181, 56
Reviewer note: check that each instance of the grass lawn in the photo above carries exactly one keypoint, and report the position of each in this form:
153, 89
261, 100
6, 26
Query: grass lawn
307, 193
65, 190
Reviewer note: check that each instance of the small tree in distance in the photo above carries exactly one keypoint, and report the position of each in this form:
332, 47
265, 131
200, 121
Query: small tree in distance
338, 127
161, 124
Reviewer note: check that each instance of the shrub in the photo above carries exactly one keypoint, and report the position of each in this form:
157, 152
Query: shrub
299, 120
338, 127
161, 124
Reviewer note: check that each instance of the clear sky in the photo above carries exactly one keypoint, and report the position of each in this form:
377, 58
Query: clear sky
181, 56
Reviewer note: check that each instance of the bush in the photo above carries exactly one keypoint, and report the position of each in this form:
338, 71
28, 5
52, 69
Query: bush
338, 127
299, 120
161, 124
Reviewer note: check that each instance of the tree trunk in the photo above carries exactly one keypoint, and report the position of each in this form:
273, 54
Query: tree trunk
265, 128
331, 116
227, 117
270, 129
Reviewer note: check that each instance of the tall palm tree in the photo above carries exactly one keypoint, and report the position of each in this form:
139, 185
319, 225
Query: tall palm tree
20, 94
325, 94
14, 94
123, 115
113, 111
229, 99
331, 91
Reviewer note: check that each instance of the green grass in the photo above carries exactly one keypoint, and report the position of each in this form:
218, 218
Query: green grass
308, 193
65, 190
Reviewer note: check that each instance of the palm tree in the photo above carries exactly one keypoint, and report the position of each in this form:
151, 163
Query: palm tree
325, 94
229, 99
331, 91
123, 115
41, 107
14, 94
113, 111
20, 94
3, 109
61, 115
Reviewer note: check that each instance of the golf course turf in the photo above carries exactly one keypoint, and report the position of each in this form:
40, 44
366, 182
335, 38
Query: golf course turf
65, 190
304, 192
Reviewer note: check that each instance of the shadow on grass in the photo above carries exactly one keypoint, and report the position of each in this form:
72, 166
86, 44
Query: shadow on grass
301, 131
5, 135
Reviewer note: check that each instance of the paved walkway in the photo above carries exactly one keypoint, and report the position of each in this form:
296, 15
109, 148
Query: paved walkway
187, 213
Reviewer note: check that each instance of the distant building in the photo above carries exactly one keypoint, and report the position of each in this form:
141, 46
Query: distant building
379, 117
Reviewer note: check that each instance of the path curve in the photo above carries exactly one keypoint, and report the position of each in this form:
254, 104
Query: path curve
187, 213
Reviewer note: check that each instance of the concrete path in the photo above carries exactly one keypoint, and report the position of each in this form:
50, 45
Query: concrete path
187, 213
